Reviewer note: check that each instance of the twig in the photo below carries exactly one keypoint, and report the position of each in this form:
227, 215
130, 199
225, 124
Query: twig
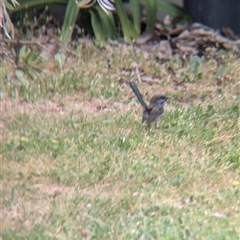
150, 80
138, 75
24, 42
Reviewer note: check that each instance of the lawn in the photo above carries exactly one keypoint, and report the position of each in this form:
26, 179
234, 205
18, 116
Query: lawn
77, 163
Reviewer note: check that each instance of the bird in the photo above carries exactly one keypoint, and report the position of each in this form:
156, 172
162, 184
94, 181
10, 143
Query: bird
155, 110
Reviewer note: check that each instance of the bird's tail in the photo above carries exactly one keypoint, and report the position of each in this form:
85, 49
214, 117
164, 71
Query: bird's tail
138, 94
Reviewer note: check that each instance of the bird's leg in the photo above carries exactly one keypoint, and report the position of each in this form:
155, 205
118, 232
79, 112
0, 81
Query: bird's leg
148, 128
157, 125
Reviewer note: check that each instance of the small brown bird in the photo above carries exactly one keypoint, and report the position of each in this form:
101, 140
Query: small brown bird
154, 111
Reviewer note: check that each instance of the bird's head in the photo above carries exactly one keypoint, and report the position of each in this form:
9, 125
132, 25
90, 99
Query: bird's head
158, 100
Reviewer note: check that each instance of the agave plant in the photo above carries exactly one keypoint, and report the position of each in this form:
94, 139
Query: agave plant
102, 16
104, 26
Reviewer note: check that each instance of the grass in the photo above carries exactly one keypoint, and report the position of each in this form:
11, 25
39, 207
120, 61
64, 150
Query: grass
76, 161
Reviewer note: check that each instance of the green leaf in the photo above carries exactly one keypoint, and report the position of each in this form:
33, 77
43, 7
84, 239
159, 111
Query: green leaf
69, 21
163, 6
60, 58
169, 8
97, 26
136, 15
128, 29
107, 22
151, 13
103, 25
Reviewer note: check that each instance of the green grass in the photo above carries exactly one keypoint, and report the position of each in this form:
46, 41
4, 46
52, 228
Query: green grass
76, 161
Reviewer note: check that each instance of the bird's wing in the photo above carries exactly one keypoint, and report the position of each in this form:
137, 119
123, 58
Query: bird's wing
154, 115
